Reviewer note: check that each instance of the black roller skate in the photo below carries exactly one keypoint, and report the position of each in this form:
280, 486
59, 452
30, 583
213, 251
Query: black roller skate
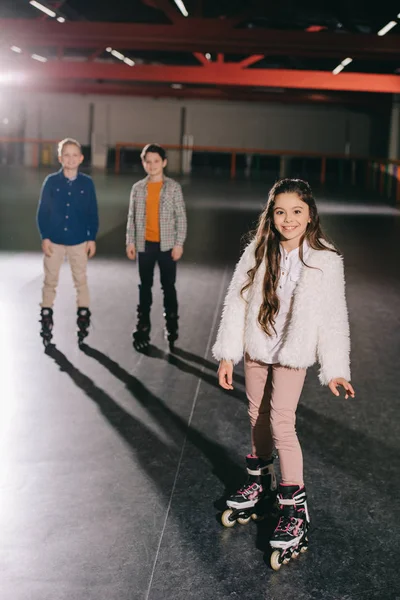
141, 337
46, 319
83, 323
290, 535
256, 497
171, 328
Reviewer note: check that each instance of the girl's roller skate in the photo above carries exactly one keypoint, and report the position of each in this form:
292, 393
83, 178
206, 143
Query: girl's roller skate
171, 328
256, 497
141, 337
46, 319
290, 535
83, 323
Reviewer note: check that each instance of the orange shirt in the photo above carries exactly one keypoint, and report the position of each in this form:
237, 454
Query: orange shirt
153, 211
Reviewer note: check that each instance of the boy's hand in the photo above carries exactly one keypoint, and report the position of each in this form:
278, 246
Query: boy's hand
333, 385
176, 252
91, 249
131, 251
225, 374
47, 247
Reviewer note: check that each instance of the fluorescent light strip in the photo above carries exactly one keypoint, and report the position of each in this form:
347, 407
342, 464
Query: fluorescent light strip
338, 69
61, 19
44, 9
387, 28
129, 62
16, 49
182, 7
39, 58
117, 54
346, 61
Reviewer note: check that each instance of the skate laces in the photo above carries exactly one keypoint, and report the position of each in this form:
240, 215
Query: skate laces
249, 488
288, 524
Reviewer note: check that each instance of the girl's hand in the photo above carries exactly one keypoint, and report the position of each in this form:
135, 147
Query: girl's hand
176, 253
91, 249
333, 385
131, 251
225, 374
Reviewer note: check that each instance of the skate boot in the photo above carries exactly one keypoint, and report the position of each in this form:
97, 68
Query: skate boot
290, 535
171, 328
256, 497
46, 320
141, 337
83, 323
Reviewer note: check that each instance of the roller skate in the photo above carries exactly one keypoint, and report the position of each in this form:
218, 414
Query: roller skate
290, 536
256, 497
141, 337
83, 323
46, 320
171, 328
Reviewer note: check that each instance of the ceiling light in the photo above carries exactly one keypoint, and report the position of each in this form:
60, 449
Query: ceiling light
129, 61
117, 54
182, 7
109, 49
176, 86
347, 61
61, 19
387, 28
39, 58
16, 49
208, 56
338, 69
44, 9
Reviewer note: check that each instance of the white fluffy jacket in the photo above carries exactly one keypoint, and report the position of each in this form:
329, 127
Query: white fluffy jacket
317, 329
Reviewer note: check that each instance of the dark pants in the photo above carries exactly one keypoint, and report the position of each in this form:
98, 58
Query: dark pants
147, 262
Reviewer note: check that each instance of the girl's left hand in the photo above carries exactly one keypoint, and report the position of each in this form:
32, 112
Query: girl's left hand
334, 383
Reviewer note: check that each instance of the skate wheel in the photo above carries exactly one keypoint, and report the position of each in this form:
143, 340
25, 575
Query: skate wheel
295, 554
257, 517
244, 520
226, 520
303, 549
275, 560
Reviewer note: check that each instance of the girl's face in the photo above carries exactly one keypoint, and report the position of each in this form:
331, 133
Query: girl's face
291, 216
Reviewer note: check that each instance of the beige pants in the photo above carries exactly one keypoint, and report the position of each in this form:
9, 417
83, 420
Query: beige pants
77, 258
273, 393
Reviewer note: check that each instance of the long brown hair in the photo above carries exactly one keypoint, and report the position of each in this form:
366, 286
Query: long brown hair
267, 248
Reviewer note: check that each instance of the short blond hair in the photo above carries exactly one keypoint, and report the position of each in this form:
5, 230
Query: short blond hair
68, 142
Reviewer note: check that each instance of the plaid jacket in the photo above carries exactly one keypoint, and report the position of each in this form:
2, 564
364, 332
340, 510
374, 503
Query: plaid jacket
172, 215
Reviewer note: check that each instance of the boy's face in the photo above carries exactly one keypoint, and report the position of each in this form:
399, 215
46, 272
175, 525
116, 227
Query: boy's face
153, 164
71, 157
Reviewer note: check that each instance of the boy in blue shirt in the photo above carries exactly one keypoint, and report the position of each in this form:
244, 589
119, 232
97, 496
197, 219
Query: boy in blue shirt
68, 222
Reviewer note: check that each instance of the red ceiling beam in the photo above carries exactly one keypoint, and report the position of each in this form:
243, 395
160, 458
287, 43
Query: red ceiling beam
214, 74
199, 35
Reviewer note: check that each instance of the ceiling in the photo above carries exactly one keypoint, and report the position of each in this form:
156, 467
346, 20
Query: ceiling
256, 49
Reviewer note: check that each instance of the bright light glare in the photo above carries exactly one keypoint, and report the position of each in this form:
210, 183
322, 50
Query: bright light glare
347, 61
109, 49
39, 58
387, 28
61, 19
11, 77
338, 69
208, 56
129, 61
117, 54
16, 49
182, 7
44, 9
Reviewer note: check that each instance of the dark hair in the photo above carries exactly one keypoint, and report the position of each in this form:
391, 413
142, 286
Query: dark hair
153, 148
268, 241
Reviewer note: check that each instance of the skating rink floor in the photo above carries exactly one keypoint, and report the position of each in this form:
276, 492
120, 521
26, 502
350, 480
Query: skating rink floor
114, 466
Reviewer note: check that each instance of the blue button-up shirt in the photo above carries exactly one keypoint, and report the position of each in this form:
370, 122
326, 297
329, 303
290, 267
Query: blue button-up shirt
67, 212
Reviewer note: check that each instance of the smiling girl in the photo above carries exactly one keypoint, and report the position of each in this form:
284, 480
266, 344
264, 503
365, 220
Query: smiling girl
285, 310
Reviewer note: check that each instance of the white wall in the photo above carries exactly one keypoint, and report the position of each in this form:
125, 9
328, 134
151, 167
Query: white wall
212, 123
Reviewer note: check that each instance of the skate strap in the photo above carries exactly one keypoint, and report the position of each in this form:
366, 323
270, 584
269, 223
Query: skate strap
254, 472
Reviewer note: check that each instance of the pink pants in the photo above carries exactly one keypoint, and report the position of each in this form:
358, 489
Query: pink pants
273, 393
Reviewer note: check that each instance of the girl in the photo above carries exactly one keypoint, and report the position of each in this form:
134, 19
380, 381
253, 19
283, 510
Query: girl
285, 309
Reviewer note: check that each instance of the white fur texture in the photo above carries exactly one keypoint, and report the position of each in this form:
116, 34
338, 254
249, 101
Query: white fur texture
317, 329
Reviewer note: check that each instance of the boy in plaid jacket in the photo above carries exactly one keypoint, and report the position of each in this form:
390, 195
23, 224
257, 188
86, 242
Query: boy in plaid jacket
156, 232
